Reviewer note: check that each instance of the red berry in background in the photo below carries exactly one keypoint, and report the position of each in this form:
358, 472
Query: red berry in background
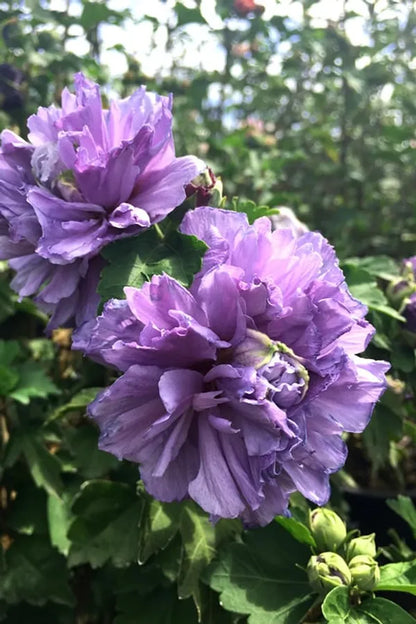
244, 7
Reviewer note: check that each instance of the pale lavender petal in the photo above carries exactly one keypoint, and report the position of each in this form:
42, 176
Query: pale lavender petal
215, 487
220, 298
69, 230
163, 189
351, 399
126, 215
157, 298
31, 272
176, 388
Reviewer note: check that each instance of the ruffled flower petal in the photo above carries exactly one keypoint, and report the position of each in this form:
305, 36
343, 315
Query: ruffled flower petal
255, 370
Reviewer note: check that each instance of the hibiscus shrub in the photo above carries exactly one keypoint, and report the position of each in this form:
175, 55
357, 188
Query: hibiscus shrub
192, 386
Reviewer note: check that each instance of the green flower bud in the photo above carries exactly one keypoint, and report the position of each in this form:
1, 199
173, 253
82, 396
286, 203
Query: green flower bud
255, 350
364, 545
365, 572
326, 571
327, 528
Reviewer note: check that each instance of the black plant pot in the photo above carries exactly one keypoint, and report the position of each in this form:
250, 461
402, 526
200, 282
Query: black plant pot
370, 513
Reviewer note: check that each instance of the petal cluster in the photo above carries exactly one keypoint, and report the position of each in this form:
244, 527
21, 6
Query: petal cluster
237, 391
87, 176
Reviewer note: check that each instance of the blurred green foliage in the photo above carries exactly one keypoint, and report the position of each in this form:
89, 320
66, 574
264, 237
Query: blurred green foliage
296, 111
298, 114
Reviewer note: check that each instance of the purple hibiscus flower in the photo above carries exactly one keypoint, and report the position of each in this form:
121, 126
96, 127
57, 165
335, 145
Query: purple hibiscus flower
236, 392
409, 311
402, 293
87, 176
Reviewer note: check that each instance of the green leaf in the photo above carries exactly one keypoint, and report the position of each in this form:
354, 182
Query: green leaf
405, 508
337, 607
252, 211
299, 531
34, 572
398, 577
170, 559
133, 261
106, 524
188, 16
59, 520
22, 381
384, 427
161, 523
160, 607
382, 341
33, 383
79, 402
264, 577
96, 12
9, 378
9, 351
42, 349
44, 467
185, 542
378, 266
89, 460
364, 287
198, 539
382, 611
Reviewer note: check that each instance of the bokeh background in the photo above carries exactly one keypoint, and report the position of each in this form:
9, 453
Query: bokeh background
306, 104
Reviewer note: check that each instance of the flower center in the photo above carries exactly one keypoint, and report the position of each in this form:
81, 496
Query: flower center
287, 378
46, 163
281, 372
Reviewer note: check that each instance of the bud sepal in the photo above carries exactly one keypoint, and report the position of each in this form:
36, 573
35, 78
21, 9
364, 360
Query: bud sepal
363, 545
365, 572
328, 529
326, 571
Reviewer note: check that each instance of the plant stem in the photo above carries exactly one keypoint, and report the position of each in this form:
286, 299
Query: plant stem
159, 232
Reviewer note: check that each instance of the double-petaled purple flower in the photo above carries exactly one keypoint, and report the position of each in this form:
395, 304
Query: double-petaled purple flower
87, 176
236, 392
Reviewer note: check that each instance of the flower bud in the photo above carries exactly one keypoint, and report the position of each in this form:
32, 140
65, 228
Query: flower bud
255, 350
364, 545
327, 528
286, 219
402, 288
409, 313
207, 189
398, 290
365, 572
326, 571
